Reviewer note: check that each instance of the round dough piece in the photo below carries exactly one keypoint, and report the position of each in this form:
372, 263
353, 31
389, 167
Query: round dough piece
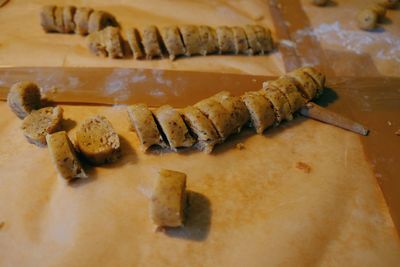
320, 2
24, 97
81, 20
367, 19
97, 140
41, 122
98, 20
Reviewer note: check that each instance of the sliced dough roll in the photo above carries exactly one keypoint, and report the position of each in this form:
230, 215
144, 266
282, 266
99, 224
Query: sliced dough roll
24, 97
97, 140
81, 19
239, 115
168, 200
304, 82
264, 38
59, 19
173, 127
113, 42
261, 111
225, 38
98, 20
279, 103
145, 126
135, 44
191, 39
63, 156
151, 42
47, 19
289, 89
96, 43
317, 76
68, 17
172, 41
240, 40
218, 115
40, 123
209, 41
201, 126
254, 45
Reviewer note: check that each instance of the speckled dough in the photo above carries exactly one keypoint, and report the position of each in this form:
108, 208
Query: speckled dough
68, 19
261, 112
254, 45
279, 103
305, 83
289, 89
208, 39
240, 40
113, 42
47, 19
96, 43
225, 38
135, 43
367, 19
191, 39
81, 20
98, 20
172, 41
151, 42
264, 38
24, 97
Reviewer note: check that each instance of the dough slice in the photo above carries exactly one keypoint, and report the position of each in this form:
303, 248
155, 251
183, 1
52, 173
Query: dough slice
264, 38
168, 200
289, 89
202, 127
317, 76
81, 19
47, 19
209, 40
145, 126
24, 97
191, 39
261, 112
151, 42
172, 41
239, 115
97, 44
98, 20
226, 41
173, 127
63, 156
97, 140
59, 19
135, 43
254, 45
306, 85
41, 122
218, 115
113, 42
68, 18
279, 103
240, 40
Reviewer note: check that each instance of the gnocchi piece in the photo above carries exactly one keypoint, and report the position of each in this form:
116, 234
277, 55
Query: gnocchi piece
172, 41
151, 42
279, 103
240, 40
261, 112
81, 19
47, 18
225, 39
209, 40
367, 19
23, 98
99, 20
289, 89
191, 39
68, 19
135, 44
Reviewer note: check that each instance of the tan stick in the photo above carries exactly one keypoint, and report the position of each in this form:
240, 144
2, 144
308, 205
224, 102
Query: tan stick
312, 110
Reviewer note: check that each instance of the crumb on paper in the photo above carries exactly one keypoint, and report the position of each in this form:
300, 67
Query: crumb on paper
389, 123
240, 146
397, 132
287, 43
2, 225
303, 166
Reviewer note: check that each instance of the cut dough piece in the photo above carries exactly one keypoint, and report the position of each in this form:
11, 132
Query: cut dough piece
81, 20
191, 39
151, 42
113, 42
317, 76
306, 85
202, 127
68, 18
254, 45
47, 18
59, 19
172, 41
367, 19
98, 20
135, 43
173, 127
264, 38
145, 126
289, 89
279, 103
261, 111
97, 140
240, 40
41, 122
63, 156
24, 97
239, 115
209, 40
97, 44
218, 115
225, 38
168, 200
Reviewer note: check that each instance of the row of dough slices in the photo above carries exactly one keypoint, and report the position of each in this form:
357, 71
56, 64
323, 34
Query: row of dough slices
69, 19
187, 40
214, 119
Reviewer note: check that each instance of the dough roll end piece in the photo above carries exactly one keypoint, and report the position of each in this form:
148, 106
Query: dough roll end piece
168, 200
142, 119
24, 97
64, 157
97, 140
41, 122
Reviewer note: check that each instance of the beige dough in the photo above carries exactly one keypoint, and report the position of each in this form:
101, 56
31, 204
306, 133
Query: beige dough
135, 44
209, 40
151, 42
254, 45
225, 39
113, 42
240, 40
41, 122
367, 19
81, 20
172, 41
47, 18
261, 112
305, 83
289, 89
63, 156
24, 97
168, 200
97, 140
191, 39
59, 19
68, 19
264, 38
279, 102
98, 20
97, 44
